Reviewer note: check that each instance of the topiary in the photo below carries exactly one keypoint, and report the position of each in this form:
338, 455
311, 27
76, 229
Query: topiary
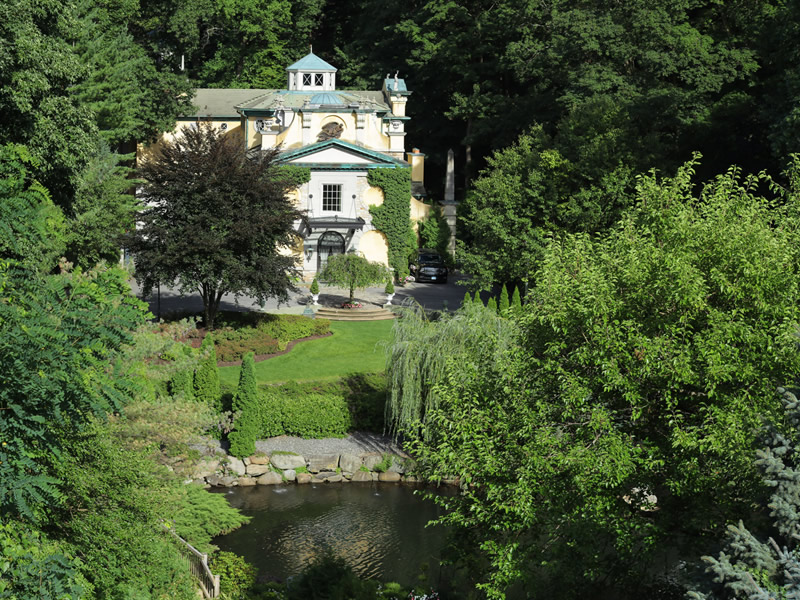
389, 289
315, 286
504, 304
247, 426
206, 378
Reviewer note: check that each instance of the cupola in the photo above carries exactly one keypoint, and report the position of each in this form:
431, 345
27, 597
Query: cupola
311, 74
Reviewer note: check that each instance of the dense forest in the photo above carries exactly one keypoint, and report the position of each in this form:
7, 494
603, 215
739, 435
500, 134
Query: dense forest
660, 313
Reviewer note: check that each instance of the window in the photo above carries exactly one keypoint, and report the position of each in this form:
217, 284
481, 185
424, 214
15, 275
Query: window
331, 196
306, 79
318, 79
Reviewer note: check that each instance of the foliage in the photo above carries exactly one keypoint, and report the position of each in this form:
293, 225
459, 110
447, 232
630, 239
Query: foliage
434, 233
102, 211
516, 301
59, 338
263, 333
293, 176
393, 217
206, 377
233, 344
202, 516
314, 286
389, 289
32, 227
491, 304
749, 567
216, 220
418, 358
35, 568
646, 362
467, 299
236, 575
112, 511
353, 272
246, 404
503, 304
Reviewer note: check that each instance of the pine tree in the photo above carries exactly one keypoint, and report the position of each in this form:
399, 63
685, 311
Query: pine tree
504, 305
206, 378
245, 402
492, 304
516, 301
467, 299
748, 567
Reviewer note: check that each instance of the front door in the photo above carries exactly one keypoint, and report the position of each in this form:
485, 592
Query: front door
329, 243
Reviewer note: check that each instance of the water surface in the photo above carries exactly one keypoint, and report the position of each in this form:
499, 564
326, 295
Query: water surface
378, 528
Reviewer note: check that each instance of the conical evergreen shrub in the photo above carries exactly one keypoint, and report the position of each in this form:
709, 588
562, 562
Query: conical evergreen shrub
314, 286
516, 301
492, 304
246, 403
206, 378
467, 299
182, 383
504, 304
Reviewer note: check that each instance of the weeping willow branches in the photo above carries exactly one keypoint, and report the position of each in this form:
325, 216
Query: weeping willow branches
425, 350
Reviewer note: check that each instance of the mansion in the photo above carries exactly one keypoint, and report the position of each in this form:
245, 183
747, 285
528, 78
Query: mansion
339, 135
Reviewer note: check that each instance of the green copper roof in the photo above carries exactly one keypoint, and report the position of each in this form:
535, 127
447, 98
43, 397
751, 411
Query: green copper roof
311, 62
377, 158
327, 99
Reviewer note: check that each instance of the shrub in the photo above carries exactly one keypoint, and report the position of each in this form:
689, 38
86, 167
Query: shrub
516, 301
503, 306
236, 575
246, 404
234, 344
315, 286
492, 304
202, 516
206, 378
389, 289
305, 411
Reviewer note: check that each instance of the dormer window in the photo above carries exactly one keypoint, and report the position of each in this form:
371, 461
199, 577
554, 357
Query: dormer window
318, 79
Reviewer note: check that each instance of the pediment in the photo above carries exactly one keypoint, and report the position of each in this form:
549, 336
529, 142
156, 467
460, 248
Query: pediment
337, 152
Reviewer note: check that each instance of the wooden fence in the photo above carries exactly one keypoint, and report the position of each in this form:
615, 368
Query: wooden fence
198, 565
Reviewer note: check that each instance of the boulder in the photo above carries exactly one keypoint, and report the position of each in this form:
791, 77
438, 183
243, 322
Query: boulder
398, 466
287, 461
350, 462
323, 462
236, 466
374, 476
246, 460
304, 478
259, 459
214, 480
227, 481
389, 477
246, 481
371, 460
411, 479
362, 476
270, 478
204, 468
290, 474
256, 470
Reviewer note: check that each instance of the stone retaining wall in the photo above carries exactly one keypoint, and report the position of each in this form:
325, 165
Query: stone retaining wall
286, 467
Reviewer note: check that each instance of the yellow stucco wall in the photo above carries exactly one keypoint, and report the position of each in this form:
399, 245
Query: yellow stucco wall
373, 196
419, 211
374, 247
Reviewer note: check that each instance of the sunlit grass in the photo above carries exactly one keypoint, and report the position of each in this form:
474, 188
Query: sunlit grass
353, 348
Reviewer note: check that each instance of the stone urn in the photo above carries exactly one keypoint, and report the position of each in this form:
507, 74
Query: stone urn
389, 299
315, 299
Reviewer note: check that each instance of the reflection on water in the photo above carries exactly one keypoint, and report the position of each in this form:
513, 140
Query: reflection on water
379, 529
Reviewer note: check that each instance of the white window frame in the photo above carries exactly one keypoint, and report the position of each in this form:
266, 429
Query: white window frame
331, 196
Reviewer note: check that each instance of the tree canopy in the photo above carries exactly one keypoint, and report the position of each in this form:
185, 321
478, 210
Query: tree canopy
353, 272
217, 220
645, 362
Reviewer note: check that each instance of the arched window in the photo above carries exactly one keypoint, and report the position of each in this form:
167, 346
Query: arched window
330, 243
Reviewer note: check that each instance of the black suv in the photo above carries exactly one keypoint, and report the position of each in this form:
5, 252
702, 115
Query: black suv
427, 265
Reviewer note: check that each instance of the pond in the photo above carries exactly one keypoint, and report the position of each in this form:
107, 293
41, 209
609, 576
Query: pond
377, 528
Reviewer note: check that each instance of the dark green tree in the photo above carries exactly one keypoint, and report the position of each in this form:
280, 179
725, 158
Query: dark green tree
516, 301
503, 304
206, 377
352, 272
491, 304
216, 221
246, 429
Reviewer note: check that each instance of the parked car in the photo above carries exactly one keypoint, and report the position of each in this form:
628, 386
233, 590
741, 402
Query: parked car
428, 265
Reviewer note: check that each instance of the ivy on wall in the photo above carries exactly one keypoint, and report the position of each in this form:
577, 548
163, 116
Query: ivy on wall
393, 217
293, 175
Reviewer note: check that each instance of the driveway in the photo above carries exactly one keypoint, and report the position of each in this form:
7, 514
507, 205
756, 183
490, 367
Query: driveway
432, 296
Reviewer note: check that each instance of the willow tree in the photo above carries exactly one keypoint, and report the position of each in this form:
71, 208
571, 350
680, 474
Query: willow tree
353, 272
425, 350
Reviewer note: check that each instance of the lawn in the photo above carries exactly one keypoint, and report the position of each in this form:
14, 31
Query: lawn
353, 348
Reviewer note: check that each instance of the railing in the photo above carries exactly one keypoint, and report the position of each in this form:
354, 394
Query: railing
198, 565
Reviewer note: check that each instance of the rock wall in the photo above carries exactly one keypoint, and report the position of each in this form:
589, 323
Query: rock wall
287, 467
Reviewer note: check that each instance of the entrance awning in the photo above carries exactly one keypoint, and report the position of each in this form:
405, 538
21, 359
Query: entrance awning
334, 222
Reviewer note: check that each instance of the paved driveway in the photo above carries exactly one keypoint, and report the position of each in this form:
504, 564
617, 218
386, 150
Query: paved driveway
433, 296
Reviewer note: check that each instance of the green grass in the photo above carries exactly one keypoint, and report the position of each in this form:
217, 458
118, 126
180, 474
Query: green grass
353, 348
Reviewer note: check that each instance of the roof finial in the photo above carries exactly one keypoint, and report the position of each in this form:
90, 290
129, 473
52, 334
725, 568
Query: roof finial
310, 51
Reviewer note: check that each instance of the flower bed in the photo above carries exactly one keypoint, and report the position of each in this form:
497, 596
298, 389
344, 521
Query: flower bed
352, 305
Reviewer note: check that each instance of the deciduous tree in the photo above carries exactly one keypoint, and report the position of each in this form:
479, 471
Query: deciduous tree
217, 220
353, 272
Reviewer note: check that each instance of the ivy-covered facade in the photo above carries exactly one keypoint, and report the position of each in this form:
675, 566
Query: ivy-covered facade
359, 189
